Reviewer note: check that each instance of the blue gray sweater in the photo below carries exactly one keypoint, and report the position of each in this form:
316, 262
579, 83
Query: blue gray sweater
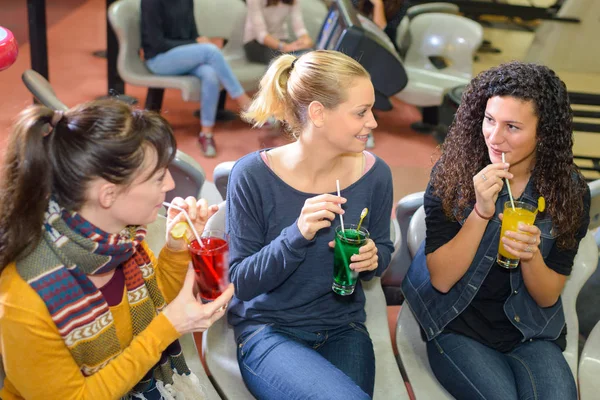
279, 276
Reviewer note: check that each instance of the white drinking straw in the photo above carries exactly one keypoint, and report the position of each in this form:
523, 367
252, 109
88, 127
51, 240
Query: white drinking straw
188, 220
512, 202
337, 184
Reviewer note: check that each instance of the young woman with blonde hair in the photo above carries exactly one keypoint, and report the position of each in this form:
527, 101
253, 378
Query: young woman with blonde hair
296, 338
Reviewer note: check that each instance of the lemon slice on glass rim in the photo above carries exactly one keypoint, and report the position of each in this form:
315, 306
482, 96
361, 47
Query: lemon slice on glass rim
179, 231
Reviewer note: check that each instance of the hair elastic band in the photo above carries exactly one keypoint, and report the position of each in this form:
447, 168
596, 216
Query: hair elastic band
56, 117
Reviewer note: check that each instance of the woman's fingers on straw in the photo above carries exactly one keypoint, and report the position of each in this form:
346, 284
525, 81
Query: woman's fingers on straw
323, 206
202, 209
496, 166
327, 197
320, 215
492, 190
177, 202
212, 210
190, 202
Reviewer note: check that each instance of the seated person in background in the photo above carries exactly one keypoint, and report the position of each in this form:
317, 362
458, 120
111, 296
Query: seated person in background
296, 338
266, 30
386, 14
172, 46
86, 310
497, 333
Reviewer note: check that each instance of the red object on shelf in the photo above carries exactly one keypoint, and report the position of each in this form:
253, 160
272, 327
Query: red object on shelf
9, 49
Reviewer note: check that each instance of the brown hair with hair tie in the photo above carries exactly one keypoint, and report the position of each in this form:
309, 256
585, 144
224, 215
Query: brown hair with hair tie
56, 117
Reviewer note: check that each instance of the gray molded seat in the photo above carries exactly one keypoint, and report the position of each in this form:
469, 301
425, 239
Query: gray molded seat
41, 89
405, 209
156, 240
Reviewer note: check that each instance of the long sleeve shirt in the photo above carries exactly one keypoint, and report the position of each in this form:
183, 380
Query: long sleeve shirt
39, 365
281, 277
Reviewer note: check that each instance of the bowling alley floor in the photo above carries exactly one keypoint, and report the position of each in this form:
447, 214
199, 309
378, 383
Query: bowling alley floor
77, 28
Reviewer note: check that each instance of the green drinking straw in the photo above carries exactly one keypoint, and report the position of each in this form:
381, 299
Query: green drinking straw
346, 264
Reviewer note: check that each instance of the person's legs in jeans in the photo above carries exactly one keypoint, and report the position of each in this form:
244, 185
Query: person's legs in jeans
191, 59
278, 363
209, 100
183, 60
350, 349
542, 372
470, 370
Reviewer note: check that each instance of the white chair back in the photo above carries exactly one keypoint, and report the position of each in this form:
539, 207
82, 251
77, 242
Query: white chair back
584, 265
405, 209
452, 37
416, 231
595, 204
589, 366
155, 238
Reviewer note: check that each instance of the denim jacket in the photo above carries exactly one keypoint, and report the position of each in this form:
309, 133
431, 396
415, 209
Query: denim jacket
434, 309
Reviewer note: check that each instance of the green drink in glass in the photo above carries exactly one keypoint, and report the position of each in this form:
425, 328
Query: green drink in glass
347, 243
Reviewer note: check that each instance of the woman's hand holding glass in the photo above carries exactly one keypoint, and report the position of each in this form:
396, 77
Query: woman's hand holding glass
187, 313
199, 213
366, 259
524, 243
488, 182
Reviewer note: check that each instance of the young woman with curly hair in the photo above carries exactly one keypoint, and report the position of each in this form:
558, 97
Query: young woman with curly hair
496, 333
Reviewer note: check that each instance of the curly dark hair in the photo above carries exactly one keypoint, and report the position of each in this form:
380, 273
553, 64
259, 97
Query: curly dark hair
464, 152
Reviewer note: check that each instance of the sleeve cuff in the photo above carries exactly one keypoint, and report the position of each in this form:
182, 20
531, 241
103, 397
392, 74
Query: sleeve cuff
294, 238
368, 275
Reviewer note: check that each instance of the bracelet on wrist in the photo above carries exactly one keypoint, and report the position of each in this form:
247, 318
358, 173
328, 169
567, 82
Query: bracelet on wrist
480, 215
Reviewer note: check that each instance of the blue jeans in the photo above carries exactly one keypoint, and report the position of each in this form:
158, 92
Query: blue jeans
205, 61
470, 370
288, 363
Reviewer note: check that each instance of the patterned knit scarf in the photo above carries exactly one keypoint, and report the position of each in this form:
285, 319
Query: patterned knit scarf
57, 270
